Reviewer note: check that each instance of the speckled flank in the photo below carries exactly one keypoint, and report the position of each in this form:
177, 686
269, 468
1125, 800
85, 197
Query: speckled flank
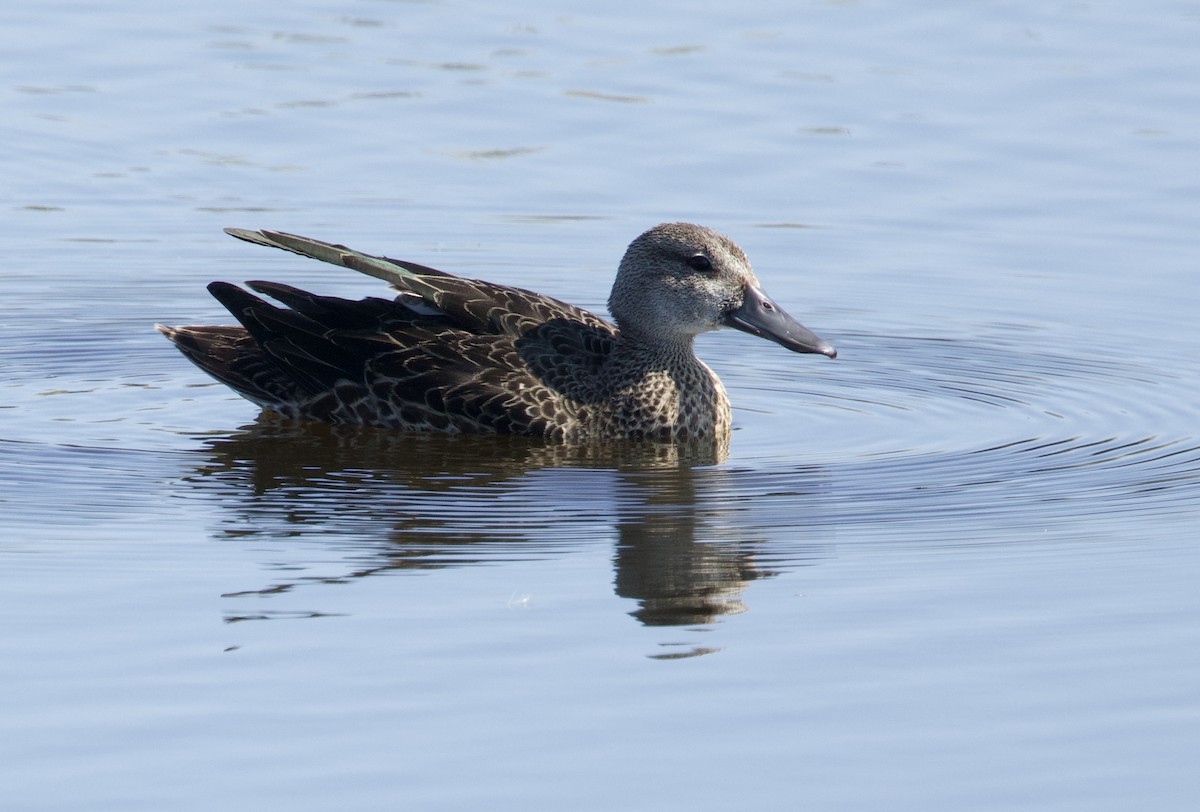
456, 355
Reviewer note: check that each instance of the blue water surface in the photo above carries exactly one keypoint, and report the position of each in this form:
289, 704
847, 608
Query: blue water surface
953, 569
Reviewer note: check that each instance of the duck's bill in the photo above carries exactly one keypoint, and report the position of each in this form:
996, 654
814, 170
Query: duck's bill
760, 316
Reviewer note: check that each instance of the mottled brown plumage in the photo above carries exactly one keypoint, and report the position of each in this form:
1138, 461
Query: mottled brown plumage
459, 355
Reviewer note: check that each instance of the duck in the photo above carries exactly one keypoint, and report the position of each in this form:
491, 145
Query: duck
450, 354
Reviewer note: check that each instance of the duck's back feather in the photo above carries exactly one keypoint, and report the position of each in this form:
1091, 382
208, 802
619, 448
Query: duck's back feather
448, 353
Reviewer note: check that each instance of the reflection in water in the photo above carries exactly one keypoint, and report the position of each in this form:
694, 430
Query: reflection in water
428, 501
676, 578
1058, 451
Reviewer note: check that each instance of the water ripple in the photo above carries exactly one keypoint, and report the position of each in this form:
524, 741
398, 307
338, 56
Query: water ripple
905, 442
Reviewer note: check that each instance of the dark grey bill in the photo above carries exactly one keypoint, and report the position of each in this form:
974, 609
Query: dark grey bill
760, 316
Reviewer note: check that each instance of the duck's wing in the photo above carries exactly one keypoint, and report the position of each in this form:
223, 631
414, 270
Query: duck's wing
478, 306
446, 353
378, 362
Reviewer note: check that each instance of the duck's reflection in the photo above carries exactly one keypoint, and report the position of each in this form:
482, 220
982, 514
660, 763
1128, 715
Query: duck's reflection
424, 501
674, 560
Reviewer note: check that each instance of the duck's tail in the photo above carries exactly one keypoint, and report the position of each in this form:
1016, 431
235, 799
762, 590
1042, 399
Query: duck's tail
234, 358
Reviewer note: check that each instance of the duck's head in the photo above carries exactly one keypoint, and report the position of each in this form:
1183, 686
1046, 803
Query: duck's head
678, 280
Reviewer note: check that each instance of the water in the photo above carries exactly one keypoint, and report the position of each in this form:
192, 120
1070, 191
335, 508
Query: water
952, 569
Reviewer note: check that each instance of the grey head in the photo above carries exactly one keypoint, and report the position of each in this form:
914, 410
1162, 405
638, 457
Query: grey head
678, 280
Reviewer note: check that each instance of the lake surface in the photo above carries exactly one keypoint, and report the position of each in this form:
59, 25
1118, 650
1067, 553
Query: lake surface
953, 569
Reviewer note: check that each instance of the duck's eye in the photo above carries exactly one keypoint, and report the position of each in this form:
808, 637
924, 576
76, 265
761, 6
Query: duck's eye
700, 263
